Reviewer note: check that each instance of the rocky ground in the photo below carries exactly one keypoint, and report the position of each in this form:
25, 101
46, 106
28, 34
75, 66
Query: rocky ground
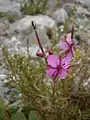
14, 33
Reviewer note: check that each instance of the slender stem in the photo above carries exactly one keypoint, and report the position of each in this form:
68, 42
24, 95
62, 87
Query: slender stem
54, 87
39, 43
72, 34
27, 47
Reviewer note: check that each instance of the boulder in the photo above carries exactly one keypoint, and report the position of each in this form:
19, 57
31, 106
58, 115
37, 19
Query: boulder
8, 5
25, 30
25, 24
60, 15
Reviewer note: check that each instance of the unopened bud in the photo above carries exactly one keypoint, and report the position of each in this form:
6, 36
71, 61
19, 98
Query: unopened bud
40, 54
50, 53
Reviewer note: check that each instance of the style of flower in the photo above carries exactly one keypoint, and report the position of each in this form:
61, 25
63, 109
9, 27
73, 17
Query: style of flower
68, 45
57, 67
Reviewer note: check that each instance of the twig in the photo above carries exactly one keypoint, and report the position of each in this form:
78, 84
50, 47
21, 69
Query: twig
28, 47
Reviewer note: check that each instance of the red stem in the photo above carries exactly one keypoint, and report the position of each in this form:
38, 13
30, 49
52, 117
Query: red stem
39, 43
72, 34
54, 87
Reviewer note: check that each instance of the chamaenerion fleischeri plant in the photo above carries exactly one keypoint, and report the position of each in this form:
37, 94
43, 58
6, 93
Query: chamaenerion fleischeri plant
45, 88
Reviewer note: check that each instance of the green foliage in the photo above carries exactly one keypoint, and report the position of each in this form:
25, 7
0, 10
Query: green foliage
2, 115
2, 103
59, 2
2, 14
40, 99
18, 116
12, 18
34, 7
33, 115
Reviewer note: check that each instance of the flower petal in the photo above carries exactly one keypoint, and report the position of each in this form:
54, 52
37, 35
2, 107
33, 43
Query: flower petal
65, 63
71, 52
53, 61
63, 45
63, 74
68, 39
52, 73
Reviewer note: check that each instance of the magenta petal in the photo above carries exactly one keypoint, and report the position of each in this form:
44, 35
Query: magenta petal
65, 63
63, 45
71, 52
68, 39
53, 61
63, 74
52, 73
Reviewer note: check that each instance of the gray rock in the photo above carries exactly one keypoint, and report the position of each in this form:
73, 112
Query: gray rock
1, 56
7, 42
88, 41
8, 5
82, 11
60, 15
68, 8
14, 15
33, 50
83, 2
32, 38
79, 2
24, 29
87, 2
2, 28
24, 24
19, 1
3, 73
51, 5
16, 46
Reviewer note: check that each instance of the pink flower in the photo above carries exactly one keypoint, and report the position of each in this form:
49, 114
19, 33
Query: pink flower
57, 67
68, 46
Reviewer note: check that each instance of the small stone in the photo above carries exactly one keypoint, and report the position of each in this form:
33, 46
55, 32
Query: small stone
2, 76
85, 84
60, 15
8, 5
25, 24
88, 41
81, 27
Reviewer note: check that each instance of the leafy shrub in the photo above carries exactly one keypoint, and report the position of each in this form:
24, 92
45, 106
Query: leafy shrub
34, 7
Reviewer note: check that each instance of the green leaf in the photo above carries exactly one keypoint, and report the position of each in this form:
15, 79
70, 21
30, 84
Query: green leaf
2, 115
2, 105
78, 54
13, 109
33, 115
18, 116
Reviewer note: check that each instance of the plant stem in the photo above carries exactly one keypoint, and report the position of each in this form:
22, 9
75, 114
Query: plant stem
27, 47
39, 43
54, 87
72, 34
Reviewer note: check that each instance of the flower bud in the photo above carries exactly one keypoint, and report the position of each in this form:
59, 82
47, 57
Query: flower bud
50, 52
40, 54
